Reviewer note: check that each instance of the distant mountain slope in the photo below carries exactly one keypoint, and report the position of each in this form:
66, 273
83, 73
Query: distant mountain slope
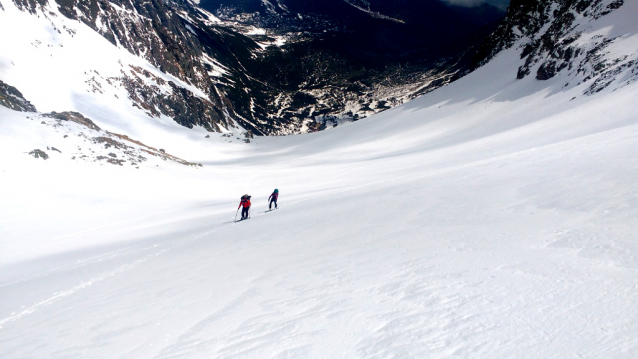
292, 66
166, 35
342, 59
578, 41
331, 60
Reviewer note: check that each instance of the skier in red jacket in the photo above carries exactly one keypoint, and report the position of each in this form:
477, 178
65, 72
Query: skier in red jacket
245, 202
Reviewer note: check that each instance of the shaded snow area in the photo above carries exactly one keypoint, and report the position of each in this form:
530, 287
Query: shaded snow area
491, 218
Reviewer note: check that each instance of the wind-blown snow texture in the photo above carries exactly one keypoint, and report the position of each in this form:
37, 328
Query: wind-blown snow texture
494, 217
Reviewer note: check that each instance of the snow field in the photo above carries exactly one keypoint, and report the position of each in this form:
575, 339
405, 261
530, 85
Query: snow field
513, 241
63, 65
490, 259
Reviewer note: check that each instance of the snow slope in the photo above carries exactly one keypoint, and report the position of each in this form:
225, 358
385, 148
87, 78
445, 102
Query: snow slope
63, 65
491, 218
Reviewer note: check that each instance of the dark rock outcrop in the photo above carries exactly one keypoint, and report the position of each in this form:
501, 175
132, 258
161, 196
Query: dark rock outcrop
30, 5
109, 142
180, 104
11, 98
546, 31
39, 154
545, 72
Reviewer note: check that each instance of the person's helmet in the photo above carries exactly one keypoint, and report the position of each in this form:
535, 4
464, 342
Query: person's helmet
276, 190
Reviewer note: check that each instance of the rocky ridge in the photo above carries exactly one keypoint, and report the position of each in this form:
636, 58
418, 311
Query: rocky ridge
94, 144
97, 145
556, 38
11, 98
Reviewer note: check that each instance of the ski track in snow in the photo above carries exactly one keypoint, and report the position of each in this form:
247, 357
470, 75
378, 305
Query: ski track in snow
86, 262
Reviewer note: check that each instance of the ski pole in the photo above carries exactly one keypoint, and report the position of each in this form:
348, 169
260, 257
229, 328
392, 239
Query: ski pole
236, 214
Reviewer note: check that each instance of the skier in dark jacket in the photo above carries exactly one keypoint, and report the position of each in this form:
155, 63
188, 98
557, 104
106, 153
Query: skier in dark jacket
273, 199
245, 202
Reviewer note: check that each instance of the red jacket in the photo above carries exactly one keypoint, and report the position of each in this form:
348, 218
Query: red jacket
245, 203
274, 196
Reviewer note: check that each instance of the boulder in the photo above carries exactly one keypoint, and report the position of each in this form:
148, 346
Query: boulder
39, 154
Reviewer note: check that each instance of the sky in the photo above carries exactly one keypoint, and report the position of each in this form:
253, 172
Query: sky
501, 4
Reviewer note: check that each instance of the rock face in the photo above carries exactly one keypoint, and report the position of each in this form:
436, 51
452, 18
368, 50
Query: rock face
11, 98
554, 38
278, 69
39, 154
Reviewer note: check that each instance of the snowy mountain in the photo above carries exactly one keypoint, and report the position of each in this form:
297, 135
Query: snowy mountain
234, 74
172, 72
348, 60
560, 38
494, 217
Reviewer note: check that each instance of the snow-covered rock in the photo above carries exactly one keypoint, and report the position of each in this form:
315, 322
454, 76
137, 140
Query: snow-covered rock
11, 98
576, 40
